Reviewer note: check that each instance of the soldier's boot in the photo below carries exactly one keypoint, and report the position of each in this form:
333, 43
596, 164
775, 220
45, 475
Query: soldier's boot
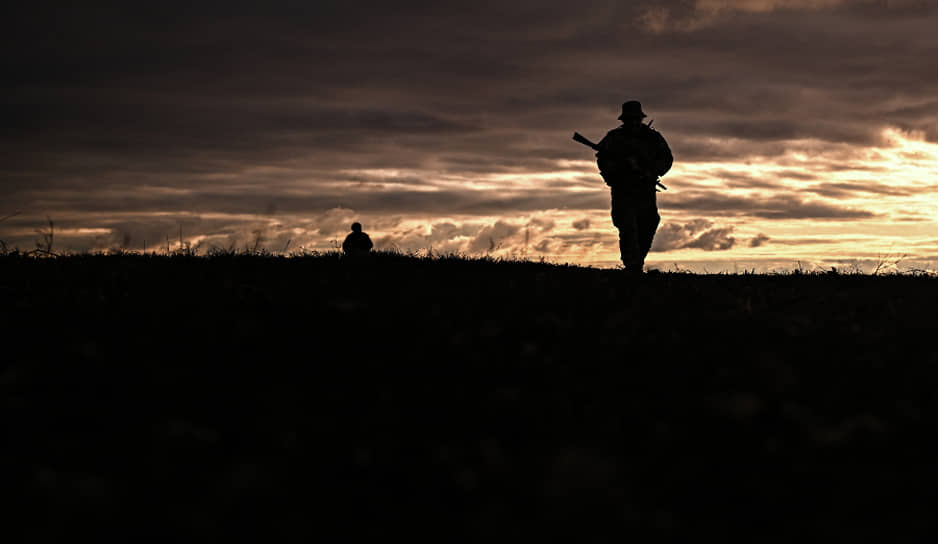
630, 253
633, 267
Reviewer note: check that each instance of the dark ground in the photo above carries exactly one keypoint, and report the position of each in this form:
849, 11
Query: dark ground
463, 400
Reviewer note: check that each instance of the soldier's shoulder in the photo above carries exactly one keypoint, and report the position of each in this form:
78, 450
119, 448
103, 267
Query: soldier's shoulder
653, 133
614, 134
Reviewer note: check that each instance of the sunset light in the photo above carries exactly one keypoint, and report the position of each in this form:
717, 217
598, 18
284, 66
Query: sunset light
470, 271
785, 155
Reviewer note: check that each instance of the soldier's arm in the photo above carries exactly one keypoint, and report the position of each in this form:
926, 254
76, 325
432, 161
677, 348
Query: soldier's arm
605, 155
663, 157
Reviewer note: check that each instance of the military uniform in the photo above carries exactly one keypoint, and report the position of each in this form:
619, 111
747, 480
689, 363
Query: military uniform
630, 159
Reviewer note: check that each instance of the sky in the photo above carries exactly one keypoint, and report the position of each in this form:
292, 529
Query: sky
804, 133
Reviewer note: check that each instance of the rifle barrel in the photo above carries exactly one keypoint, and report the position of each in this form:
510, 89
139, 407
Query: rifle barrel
577, 137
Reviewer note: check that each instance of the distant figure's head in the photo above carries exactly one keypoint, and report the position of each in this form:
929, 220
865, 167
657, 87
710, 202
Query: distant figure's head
632, 112
356, 227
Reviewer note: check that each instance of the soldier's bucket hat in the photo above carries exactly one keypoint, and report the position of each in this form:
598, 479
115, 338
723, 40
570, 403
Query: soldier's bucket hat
632, 108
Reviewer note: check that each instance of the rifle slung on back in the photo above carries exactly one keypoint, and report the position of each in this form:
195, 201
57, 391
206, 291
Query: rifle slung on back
577, 137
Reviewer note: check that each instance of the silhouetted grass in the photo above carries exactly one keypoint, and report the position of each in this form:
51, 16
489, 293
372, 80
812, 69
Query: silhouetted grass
318, 396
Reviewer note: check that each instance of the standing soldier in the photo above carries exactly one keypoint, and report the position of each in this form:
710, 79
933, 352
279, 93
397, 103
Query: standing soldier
631, 158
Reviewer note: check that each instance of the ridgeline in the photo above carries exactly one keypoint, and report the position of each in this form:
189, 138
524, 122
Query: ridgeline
309, 397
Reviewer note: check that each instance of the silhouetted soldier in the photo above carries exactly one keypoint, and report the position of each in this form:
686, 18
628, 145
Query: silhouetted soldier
630, 159
357, 242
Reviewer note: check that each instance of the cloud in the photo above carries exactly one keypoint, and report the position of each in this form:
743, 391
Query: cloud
492, 237
842, 190
743, 180
582, 224
713, 239
691, 16
335, 221
697, 233
780, 207
542, 225
544, 246
447, 231
758, 240
579, 241
117, 117
812, 241
694, 16
763, 6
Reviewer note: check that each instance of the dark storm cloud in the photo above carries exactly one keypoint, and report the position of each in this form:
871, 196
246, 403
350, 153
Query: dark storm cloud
252, 68
110, 107
247, 201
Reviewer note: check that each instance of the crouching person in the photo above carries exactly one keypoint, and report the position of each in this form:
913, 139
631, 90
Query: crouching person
357, 242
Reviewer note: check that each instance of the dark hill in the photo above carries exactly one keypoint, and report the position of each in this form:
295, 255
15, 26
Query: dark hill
472, 400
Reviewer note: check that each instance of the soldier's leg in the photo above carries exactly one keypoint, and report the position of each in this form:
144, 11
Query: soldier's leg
626, 220
648, 225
